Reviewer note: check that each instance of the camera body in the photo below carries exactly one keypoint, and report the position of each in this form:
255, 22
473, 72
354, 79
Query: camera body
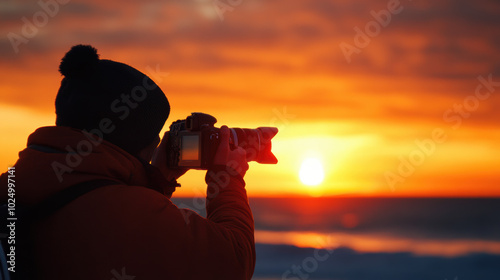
193, 142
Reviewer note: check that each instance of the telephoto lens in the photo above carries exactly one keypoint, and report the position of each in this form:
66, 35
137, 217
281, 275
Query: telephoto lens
256, 142
193, 142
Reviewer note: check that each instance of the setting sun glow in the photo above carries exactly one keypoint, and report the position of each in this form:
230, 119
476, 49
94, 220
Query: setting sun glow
311, 172
350, 122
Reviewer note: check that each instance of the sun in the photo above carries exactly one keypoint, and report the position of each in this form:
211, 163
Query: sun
311, 172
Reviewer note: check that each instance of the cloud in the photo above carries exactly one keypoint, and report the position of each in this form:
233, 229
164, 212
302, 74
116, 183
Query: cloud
271, 54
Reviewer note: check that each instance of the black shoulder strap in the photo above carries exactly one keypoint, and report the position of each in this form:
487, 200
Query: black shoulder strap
64, 197
25, 264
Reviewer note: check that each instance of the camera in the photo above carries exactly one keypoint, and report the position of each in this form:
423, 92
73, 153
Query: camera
193, 142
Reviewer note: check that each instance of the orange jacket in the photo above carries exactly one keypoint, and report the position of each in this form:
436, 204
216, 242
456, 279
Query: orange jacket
126, 230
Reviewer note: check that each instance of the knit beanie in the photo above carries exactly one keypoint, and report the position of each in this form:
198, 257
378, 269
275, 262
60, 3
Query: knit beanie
125, 105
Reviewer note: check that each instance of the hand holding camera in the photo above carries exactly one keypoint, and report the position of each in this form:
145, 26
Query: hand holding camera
159, 160
194, 143
235, 159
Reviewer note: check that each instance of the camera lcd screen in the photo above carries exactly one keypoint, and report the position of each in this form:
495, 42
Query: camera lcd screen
190, 147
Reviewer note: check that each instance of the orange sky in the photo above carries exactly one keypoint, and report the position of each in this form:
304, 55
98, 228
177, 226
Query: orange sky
279, 63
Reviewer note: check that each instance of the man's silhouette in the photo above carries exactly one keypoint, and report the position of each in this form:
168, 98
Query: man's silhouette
121, 222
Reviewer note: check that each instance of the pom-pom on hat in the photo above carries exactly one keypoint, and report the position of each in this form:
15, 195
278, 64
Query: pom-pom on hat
124, 105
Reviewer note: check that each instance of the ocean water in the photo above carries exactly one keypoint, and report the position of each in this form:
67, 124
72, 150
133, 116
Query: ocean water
374, 238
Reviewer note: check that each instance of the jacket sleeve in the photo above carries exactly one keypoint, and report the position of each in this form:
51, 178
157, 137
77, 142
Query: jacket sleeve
223, 243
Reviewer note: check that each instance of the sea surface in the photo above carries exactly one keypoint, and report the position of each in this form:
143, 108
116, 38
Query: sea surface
374, 238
